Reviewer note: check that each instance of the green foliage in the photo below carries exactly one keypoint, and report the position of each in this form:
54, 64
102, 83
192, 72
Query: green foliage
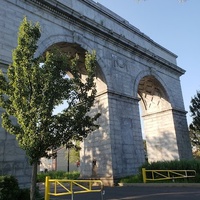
177, 165
9, 189
174, 165
31, 90
74, 154
24, 194
58, 175
195, 125
167, 165
132, 179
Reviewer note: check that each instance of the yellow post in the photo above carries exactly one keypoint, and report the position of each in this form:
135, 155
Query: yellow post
144, 175
72, 191
47, 188
90, 185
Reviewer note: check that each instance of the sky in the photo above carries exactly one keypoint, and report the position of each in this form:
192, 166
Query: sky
173, 25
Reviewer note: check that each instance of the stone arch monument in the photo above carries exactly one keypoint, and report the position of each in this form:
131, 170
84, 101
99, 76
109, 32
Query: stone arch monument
133, 72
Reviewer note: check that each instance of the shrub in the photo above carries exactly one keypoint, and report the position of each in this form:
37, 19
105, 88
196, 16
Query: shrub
176, 165
132, 179
9, 188
24, 194
167, 165
57, 175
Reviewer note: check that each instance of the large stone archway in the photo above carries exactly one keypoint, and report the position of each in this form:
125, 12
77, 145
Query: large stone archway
132, 69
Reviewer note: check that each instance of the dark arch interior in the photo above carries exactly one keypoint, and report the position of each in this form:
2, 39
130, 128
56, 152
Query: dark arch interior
72, 49
153, 95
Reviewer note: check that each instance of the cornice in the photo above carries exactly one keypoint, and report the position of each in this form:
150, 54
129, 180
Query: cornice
103, 32
124, 23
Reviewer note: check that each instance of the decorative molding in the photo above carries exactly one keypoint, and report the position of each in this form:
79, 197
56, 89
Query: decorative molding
103, 32
117, 95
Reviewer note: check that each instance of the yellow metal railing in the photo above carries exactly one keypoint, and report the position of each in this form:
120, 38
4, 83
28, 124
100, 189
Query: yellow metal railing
157, 175
55, 187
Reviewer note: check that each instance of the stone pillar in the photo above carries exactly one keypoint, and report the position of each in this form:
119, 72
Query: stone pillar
126, 135
117, 146
182, 134
97, 146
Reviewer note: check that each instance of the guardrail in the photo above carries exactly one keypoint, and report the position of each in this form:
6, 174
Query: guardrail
55, 187
157, 175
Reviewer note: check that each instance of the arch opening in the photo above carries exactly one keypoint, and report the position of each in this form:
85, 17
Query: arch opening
88, 152
72, 49
157, 120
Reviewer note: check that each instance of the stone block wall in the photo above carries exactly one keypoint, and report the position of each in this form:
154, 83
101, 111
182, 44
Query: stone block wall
13, 160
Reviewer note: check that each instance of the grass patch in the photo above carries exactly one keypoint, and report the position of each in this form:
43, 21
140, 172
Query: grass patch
132, 179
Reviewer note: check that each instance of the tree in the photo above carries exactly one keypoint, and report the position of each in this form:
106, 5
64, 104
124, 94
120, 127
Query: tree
195, 125
31, 90
75, 153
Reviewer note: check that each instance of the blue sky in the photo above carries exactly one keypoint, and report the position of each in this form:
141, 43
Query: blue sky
172, 24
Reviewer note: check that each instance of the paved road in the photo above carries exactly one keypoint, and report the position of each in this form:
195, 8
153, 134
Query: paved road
142, 192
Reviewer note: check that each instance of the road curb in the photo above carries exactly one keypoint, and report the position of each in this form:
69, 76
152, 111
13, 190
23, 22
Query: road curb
160, 184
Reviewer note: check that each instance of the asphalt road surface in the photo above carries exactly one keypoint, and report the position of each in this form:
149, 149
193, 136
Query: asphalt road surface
142, 192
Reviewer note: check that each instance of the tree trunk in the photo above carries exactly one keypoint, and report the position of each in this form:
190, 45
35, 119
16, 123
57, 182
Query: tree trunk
33, 181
